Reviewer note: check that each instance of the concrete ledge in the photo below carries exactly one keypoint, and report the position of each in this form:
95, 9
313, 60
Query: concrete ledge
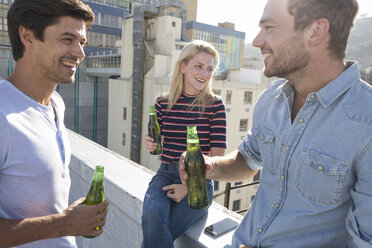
125, 186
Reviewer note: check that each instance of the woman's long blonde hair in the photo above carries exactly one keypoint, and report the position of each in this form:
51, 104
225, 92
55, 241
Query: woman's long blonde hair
206, 96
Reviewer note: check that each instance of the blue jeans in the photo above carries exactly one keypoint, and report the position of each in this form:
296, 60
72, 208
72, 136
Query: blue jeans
163, 220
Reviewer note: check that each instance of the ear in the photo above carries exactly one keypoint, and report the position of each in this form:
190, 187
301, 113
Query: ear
182, 67
26, 36
318, 31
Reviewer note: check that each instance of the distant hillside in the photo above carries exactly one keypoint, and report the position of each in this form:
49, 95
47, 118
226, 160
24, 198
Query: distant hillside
360, 42
359, 45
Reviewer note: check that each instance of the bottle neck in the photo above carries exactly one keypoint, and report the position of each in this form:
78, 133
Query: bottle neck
193, 144
98, 174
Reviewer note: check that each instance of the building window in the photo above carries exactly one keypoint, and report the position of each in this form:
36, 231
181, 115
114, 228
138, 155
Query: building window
257, 176
216, 185
217, 92
247, 97
243, 125
124, 113
238, 183
228, 96
123, 139
236, 205
173, 24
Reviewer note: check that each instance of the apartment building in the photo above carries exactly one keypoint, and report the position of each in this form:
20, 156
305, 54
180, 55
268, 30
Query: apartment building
228, 42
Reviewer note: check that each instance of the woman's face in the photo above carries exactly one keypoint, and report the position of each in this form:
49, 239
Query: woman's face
197, 73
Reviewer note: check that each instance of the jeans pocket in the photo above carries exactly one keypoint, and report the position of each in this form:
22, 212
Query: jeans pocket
266, 140
320, 177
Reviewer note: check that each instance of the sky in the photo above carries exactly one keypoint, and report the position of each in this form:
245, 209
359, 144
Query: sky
245, 13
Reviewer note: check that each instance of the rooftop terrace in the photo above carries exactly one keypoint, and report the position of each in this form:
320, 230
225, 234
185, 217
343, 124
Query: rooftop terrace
125, 186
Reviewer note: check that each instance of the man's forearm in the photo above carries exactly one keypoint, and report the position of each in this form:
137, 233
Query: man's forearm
230, 168
16, 232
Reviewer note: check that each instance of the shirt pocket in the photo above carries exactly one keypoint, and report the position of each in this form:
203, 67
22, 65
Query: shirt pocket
266, 140
320, 177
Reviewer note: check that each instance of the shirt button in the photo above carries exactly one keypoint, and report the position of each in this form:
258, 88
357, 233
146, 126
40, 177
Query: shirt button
262, 137
276, 205
320, 167
287, 148
282, 177
260, 230
301, 120
312, 97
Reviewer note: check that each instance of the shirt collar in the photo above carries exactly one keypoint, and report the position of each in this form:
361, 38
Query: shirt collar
286, 89
329, 93
338, 86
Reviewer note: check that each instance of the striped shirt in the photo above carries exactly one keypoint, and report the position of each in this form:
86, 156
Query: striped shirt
211, 126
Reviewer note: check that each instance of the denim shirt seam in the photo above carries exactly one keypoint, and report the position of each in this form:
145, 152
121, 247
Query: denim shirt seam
348, 112
363, 152
327, 102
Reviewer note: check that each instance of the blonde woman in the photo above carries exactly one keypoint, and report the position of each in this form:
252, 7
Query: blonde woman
190, 101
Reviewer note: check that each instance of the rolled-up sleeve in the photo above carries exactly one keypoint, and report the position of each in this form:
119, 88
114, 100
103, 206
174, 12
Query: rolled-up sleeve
359, 219
249, 149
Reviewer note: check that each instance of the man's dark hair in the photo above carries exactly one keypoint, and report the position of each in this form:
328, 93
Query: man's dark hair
340, 14
36, 15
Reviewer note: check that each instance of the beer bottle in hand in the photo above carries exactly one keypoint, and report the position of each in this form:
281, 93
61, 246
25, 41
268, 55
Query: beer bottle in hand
195, 168
154, 131
95, 194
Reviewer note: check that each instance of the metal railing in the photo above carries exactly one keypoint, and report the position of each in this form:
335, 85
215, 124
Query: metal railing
227, 191
103, 61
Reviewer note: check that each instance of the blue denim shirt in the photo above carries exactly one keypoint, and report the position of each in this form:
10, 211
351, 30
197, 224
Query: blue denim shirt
316, 184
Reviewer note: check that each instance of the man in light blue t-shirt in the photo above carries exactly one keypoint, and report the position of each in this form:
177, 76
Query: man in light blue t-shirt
311, 134
47, 42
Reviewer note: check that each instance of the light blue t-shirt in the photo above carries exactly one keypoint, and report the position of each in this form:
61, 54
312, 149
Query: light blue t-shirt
34, 158
316, 184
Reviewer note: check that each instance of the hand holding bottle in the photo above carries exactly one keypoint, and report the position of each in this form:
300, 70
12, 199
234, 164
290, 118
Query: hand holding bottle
150, 144
84, 220
154, 132
182, 170
195, 167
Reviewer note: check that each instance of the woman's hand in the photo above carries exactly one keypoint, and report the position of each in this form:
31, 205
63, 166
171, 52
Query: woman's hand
150, 143
176, 192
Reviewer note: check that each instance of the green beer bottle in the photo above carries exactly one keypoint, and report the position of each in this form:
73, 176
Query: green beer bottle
95, 194
195, 168
155, 131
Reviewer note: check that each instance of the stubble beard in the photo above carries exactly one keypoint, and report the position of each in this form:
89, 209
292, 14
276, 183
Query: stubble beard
291, 58
53, 75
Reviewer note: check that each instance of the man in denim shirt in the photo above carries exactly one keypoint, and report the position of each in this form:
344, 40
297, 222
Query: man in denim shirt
311, 134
